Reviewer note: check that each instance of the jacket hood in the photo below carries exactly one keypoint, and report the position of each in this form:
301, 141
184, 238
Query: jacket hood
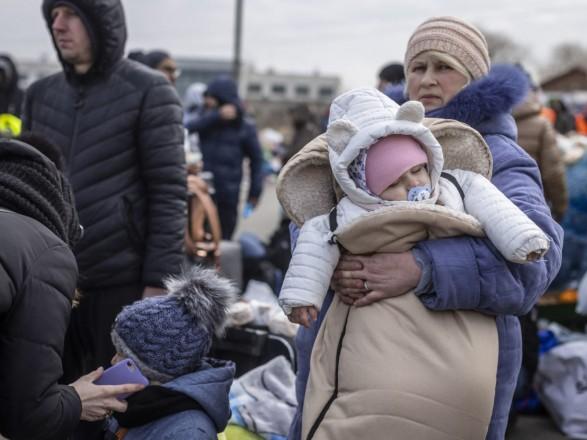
483, 99
209, 386
530, 107
224, 89
358, 119
44, 194
104, 20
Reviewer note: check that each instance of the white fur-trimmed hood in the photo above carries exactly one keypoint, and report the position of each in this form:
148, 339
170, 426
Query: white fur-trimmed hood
358, 119
306, 187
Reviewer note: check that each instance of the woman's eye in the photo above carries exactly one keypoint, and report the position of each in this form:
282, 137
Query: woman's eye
444, 67
418, 69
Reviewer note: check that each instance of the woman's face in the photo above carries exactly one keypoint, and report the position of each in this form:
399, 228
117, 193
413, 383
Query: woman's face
433, 82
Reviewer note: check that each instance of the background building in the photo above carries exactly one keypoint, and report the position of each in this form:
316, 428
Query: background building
569, 85
31, 70
201, 70
270, 95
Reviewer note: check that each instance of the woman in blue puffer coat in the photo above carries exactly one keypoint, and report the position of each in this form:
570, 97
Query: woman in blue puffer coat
448, 70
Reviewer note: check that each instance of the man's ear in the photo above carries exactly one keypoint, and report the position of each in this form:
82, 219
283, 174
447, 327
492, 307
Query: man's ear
412, 111
339, 134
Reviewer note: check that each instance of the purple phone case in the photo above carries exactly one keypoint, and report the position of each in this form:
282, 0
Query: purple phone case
120, 373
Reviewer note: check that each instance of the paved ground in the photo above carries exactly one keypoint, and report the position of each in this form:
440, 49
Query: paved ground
528, 428
265, 218
535, 428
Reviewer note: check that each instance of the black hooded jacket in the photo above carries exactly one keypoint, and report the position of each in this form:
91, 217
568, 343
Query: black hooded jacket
120, 129
10, 95
38, 275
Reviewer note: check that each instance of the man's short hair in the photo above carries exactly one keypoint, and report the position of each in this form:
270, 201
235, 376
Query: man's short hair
392, 73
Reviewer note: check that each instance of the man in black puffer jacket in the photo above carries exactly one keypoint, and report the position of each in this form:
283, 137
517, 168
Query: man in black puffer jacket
119, 126
226, 138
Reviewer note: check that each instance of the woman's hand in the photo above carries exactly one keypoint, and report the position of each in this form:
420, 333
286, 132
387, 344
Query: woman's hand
303, 315
364, 279
98, 401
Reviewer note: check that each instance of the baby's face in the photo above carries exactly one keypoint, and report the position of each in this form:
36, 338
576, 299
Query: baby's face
398, 190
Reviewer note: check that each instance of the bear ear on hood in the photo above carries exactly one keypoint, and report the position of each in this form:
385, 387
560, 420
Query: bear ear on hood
339, 133
412, 111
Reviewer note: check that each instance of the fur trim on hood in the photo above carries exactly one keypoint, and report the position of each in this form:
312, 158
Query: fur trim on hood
359, 118
498, 92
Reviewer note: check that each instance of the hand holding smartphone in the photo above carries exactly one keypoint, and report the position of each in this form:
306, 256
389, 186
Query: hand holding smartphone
122, 372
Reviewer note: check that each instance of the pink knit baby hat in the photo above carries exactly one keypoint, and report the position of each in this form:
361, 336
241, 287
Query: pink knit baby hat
389, 158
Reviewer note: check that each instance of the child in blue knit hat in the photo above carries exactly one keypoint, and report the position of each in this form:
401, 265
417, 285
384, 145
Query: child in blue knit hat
168, 338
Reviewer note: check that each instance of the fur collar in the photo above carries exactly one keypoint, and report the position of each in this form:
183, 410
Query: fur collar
482, 100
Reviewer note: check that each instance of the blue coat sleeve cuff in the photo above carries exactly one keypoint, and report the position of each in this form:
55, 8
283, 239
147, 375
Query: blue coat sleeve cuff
425, 285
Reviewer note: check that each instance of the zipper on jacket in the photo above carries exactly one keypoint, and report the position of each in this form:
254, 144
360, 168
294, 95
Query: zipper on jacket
318, 421
78, 105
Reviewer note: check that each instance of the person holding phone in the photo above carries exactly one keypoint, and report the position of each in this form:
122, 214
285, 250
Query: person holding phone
38, 277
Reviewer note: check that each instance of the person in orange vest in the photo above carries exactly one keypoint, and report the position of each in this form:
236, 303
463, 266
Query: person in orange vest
581, 122
549, 114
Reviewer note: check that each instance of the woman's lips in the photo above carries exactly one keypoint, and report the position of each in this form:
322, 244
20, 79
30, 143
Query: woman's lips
429, 97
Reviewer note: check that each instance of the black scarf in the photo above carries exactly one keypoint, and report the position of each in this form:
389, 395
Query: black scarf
152, 403
31, 185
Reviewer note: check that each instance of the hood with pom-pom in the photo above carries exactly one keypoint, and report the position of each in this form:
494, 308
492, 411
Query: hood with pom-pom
167, 336
358, 119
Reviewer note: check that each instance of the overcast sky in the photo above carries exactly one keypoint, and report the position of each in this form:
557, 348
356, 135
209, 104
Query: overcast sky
349, 38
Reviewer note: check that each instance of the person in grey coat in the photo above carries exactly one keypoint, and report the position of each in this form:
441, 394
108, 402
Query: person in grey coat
119, 125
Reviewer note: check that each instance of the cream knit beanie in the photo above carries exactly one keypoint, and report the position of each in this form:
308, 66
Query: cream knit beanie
453, 36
